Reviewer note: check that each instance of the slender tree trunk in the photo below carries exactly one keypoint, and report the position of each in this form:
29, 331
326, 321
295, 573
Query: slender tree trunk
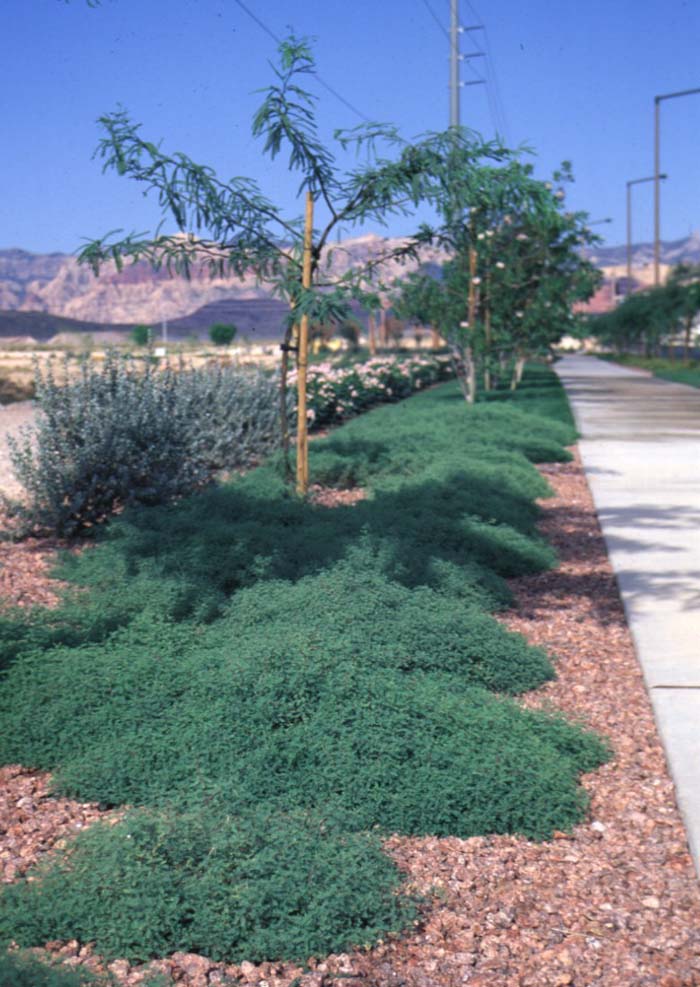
302, 423
471, 375
284, 414
372, 333
686, 338
517, 371
463, 367
487, 338
382, 328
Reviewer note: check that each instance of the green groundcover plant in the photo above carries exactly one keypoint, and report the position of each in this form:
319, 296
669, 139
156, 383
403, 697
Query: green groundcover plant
18, 970
273, 686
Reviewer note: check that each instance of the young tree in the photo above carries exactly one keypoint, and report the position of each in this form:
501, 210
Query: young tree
515, 271
231, 227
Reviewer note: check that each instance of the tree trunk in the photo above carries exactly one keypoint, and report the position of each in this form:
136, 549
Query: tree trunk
463, 366
286, 347
372, 334
471, 375
517, 372
686, 338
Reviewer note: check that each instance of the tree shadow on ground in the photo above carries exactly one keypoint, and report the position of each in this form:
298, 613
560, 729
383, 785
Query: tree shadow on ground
189, 558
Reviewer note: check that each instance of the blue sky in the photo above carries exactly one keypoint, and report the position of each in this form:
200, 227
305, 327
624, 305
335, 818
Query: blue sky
570, 80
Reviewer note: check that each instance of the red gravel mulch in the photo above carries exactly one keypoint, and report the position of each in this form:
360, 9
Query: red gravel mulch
24, 571
614, 904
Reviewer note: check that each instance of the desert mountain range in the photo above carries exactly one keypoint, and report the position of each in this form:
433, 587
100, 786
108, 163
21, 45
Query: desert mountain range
56, 283
38, 288
685, 251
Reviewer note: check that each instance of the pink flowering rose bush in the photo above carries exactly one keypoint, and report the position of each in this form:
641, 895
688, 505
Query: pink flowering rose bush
336, 393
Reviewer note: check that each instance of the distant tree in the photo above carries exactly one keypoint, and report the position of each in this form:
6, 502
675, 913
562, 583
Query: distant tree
141, 335
684, 282
222, 333
648, 318
349, 330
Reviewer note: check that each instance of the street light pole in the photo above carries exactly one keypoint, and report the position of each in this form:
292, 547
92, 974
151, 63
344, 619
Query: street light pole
657, 174
630, 183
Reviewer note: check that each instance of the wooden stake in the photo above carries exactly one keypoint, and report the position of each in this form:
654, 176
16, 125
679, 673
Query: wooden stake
487, 334
303, 362
471, 369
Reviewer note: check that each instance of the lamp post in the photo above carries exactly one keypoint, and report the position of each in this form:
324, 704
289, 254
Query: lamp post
657, 175
630, 183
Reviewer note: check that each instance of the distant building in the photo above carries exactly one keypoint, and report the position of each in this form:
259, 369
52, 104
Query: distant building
616, 286
603, 300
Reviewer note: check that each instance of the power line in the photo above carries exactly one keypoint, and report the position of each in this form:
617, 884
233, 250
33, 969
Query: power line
491, 74
435, 17
318, 78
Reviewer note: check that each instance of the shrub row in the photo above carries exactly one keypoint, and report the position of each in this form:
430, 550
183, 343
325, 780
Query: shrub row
336, 393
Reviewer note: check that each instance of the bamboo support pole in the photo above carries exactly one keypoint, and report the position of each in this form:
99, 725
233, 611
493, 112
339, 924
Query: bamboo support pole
303, 360
487, 334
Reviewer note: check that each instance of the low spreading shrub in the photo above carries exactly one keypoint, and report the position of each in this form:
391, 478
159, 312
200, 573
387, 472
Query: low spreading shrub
272, 685
237, 888
20, 970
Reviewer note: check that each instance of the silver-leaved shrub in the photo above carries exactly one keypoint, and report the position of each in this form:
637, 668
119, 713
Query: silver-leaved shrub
126, 432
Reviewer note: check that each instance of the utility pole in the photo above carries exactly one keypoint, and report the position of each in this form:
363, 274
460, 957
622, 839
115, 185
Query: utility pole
455, 58
454, 64
633, 181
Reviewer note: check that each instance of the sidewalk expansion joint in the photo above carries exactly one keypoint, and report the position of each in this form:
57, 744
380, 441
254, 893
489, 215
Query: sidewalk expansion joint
675, 687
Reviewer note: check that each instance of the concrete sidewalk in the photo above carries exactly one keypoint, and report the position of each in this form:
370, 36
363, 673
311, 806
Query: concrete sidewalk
640, 444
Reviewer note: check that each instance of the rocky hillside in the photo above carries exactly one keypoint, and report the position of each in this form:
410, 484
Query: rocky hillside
24, 276
672, 252
41, 294
56, 283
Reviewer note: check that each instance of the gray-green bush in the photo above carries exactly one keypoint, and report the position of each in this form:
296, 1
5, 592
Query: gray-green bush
130, 433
